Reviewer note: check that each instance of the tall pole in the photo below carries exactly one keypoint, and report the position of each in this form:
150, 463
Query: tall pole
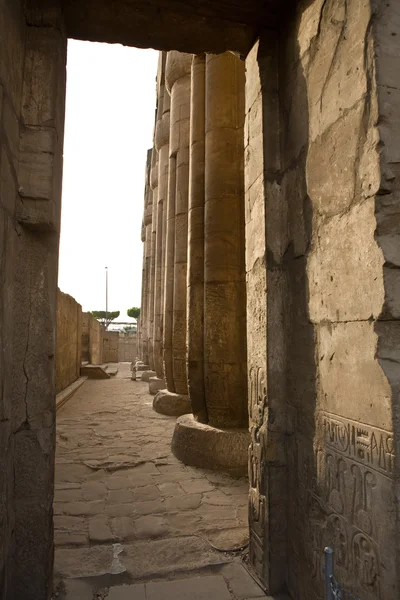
106, 296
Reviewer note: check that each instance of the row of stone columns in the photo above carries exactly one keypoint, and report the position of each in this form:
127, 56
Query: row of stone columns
194, 319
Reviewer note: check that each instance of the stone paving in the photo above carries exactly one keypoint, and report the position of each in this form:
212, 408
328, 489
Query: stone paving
126, 511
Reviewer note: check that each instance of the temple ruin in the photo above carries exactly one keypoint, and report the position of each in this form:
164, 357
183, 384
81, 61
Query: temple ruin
271, 296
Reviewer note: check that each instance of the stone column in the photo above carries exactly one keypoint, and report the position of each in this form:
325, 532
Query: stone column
161, 141
142, 299
147, 219
154, 187
224, 268
222, 442
177, 79
169, 276
195, 279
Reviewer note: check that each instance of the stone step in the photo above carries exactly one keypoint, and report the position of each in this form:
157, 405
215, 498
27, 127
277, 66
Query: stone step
95, 372
112, 371
65, 395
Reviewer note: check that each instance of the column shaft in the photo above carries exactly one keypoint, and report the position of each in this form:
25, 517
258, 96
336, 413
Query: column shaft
178, 84
146, 238
195, 278
169, 277
162, 146
154, 185
224, 268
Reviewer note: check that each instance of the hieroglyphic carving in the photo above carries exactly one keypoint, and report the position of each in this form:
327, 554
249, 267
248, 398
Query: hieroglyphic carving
179, 373
365, 444
257, 500
338, 478
353, 462
257, 395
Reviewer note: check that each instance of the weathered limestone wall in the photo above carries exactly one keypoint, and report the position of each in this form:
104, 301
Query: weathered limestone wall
68, 341
266, 293
127, 346
32, 88
321, 258
110, 346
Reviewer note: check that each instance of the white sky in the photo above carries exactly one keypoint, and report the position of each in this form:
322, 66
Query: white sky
109, 127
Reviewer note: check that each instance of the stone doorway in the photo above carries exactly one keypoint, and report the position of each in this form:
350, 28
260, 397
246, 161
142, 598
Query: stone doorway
321, 266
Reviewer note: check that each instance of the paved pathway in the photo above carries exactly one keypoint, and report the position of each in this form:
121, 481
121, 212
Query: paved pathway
126, 511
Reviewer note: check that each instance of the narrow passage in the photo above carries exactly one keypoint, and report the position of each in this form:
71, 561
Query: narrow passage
127, 513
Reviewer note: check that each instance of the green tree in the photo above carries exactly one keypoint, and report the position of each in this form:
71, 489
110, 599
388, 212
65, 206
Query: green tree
104, 317
133, 312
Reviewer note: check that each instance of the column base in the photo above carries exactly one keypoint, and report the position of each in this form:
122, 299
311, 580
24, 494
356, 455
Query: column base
147, 374
171, 404
199, 445
155, 385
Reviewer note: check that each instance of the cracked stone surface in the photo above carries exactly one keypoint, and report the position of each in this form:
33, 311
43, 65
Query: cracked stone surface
123, 503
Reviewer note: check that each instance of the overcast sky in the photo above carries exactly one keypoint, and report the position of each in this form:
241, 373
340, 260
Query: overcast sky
108, 129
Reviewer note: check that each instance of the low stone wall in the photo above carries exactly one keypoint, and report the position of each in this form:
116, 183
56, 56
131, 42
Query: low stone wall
69, 340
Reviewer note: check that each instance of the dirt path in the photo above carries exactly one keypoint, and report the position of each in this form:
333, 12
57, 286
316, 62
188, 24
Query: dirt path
125, 509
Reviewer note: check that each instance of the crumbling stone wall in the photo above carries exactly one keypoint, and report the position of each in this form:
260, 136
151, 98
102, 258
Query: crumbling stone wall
68, 341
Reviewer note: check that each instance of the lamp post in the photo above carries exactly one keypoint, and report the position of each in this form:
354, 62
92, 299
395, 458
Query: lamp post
106, 297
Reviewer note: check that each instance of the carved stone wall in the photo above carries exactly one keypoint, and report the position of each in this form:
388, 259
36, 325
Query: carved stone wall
32, 88
322, 258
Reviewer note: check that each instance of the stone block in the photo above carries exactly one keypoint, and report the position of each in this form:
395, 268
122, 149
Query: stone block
147, 374
171, 404
253, 83
99, 530
330, 172
75, 589
94, 490
151, 507
351, 380
240, 583
155, 385
345, 276
200, 445
123, 527
88, 562
334, 87
188, 502
152, 558
128, 592
146, 492
211, 587
149, 527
